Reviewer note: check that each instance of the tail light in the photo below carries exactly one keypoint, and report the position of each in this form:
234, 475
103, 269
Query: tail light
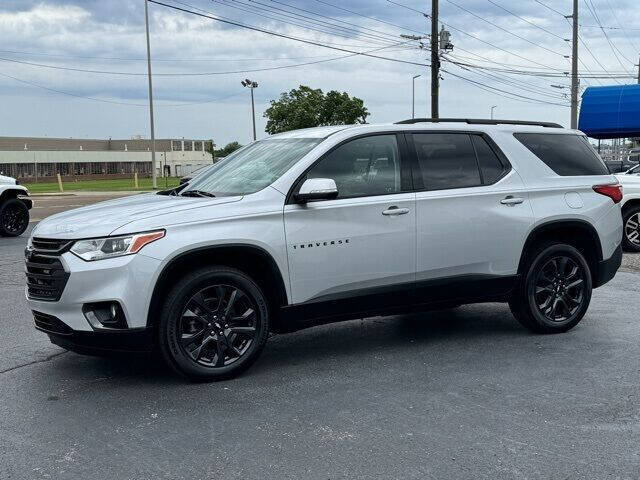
614, 192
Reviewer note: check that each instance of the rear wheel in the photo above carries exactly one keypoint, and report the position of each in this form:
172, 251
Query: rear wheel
214, 324
14, 218
631, 222
555, 291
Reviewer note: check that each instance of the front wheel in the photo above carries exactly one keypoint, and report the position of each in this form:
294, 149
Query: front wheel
631, 222
214, 324
555, 291
14, 218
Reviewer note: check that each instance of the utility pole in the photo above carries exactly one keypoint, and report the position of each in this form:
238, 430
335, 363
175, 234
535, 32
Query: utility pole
413, 96
435, 59
154, 179
574, 67
251, 85
492, 108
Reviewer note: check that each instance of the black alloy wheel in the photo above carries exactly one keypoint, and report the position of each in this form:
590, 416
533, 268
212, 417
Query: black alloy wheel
559, 288
214, 324
218, 325
14, 218
554, 292
631, 222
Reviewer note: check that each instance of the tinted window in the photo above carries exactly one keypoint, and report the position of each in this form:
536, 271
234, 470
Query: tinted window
446, 160
565, 154
362, 167
489, 163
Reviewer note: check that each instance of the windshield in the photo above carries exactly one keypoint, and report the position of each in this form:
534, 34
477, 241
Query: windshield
253, 167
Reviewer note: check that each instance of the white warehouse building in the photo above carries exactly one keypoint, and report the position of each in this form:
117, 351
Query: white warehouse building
33, 159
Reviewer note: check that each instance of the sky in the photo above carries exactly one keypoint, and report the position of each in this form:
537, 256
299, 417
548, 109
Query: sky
54, 55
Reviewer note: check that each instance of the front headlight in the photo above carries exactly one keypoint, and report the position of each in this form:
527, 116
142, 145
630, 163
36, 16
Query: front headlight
109, 247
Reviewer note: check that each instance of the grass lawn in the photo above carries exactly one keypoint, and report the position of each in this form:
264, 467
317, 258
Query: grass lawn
120, 184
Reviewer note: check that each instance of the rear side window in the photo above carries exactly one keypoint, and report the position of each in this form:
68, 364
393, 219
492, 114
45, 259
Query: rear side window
565, 154
446, 160
490, 165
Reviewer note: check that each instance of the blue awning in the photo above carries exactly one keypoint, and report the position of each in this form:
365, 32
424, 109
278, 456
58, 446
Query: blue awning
611, 111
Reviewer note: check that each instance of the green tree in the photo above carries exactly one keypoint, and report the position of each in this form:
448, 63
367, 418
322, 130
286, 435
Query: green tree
224, 151
305, 107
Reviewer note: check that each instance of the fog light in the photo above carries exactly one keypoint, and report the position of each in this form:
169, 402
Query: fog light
105, 315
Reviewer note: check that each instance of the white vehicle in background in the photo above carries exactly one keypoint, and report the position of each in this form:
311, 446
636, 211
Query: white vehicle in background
630, 181
14, 208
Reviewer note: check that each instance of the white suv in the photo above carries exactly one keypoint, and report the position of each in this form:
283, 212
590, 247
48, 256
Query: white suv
331, 223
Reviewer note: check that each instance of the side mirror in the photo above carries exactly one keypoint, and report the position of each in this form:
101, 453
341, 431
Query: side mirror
317, 189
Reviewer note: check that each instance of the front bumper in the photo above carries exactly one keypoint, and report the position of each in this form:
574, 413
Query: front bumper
94, 343
128, 280
607, 268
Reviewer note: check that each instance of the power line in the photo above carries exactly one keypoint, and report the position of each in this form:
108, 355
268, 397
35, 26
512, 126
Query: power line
409, 8
368, 17
494, 90
549, 8
624, 31
526, 21
229, 72
339, 30
542, 90
504, 29
282, 35
597, 19
334, 19
115, 102
132, 59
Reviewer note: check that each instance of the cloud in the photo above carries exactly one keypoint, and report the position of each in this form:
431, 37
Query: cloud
98, 35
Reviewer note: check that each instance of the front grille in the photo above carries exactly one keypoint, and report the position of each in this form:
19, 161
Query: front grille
48, 245
50, 324
46, 277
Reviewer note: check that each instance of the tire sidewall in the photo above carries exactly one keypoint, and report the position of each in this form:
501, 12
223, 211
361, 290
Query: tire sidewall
631, 247
25, 212
538, 262
172, 311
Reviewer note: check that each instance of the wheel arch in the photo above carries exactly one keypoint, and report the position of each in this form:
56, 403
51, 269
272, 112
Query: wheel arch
577, 233
634, 202
252, 260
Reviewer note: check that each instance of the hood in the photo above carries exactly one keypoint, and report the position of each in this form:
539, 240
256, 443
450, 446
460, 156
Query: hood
101, 219
4, 180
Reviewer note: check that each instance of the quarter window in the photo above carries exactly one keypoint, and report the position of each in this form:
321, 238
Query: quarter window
362, 167
565, 154
489, 163
446, 160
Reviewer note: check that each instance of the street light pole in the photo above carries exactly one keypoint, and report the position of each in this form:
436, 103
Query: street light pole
154, 179
492, 107
251, 85
413, 96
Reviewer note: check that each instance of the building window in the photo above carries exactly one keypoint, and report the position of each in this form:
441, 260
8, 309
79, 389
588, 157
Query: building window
176, 145
197, 146
188, 146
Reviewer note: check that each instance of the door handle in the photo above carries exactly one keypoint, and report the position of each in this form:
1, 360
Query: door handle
511, 200
393, 210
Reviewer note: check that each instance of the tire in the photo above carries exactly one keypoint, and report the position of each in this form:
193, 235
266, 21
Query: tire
206, 331
546, 303
631, 229
14, 218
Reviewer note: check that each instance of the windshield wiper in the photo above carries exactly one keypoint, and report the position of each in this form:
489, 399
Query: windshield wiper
196, 193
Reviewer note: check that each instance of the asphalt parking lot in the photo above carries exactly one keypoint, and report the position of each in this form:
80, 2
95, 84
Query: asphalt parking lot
464, 393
